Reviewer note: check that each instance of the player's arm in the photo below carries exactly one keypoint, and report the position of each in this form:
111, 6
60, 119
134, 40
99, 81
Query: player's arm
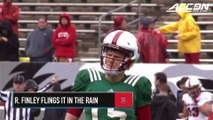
49, 85
81, 80
70, 117
184, 114
205, 103
206, 109
73, 114
144, 93
143, 113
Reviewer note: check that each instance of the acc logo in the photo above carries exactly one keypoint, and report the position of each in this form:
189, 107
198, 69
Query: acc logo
190, 7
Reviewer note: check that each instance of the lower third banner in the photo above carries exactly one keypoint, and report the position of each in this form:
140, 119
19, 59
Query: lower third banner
72, 99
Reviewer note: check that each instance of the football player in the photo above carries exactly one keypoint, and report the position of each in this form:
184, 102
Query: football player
118, 53
195, 101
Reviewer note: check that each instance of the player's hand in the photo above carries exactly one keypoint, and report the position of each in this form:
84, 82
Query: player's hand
157, 31
4, 39
54, 80
177, 36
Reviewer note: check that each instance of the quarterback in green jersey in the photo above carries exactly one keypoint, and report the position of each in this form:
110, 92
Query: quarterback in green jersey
118, 53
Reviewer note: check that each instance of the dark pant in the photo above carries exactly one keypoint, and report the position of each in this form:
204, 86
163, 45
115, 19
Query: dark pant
192, 58
41, 59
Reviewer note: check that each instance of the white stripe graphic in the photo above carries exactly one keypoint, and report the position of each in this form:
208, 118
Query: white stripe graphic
132, 80
128, 79
90, 74
99, 76
94, 74
136, 80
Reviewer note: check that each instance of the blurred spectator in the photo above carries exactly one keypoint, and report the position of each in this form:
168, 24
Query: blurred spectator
188, 36
162, 107
197, 103
32, 86
55, 114
161, 78
9, 44
152, 44
39, 43
119, 23
181, 85
10, 12
64, 40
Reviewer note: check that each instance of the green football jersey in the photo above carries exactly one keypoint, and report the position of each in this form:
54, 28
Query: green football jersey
95, 81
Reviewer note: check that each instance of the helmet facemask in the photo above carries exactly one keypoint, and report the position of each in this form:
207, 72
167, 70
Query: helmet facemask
193, 87
194, 91
110, 63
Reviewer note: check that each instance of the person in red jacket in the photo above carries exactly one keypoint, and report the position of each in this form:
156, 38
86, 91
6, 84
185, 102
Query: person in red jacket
64, 40
119, 23
152, 44
10, 12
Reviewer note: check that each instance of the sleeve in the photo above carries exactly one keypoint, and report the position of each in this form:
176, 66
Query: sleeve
144, 113
27, 44
144, 92
55, 37
205, 97
49, 39
81, 80
164, 43
3, 96
68, 40
1, 13
191, 30
75, 111
184, 98
13, 18
172, 107
46, 87
140, 44
171, 28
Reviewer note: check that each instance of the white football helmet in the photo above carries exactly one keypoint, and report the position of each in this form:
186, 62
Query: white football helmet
193, 86
192, 82
124, 42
